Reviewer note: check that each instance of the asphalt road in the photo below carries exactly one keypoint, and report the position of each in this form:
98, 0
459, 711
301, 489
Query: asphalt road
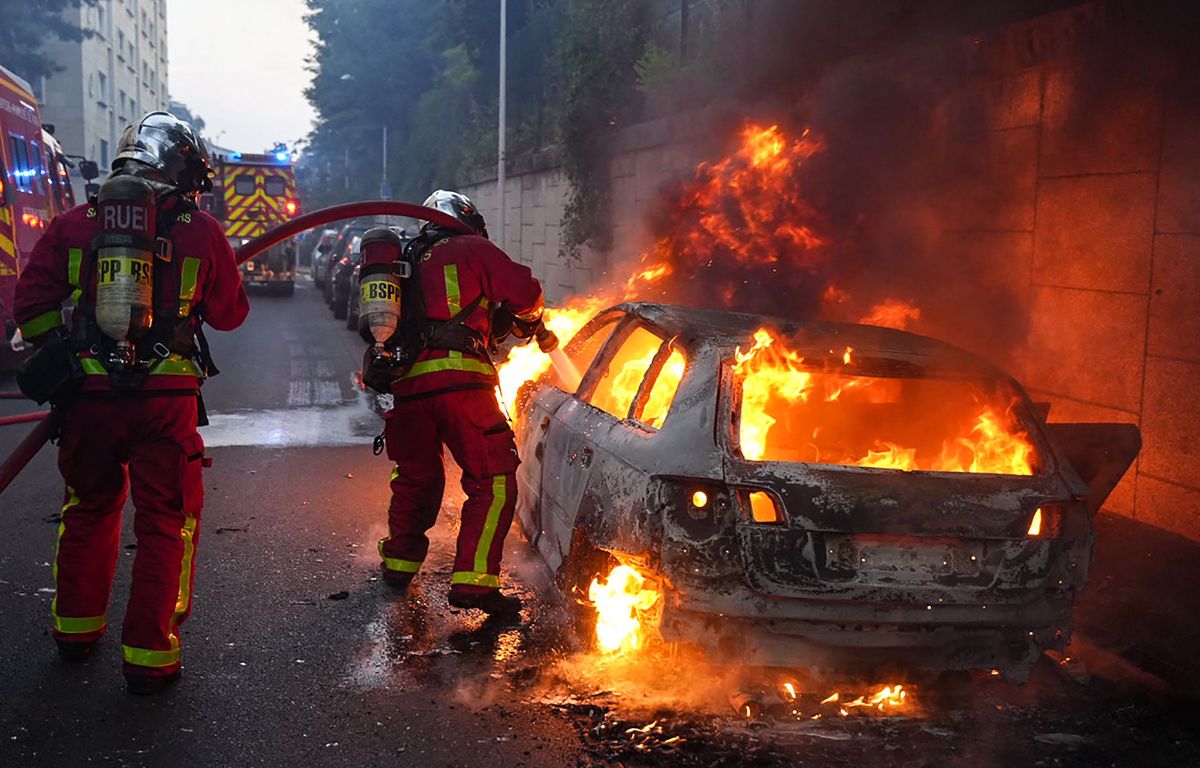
296, 654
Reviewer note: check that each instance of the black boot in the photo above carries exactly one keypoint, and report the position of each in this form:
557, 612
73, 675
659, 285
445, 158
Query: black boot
491, 602
75, 651
397, 580
148, 685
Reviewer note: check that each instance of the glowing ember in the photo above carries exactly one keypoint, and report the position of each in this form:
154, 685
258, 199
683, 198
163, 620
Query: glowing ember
621, 602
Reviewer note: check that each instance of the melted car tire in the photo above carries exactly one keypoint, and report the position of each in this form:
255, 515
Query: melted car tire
583, 563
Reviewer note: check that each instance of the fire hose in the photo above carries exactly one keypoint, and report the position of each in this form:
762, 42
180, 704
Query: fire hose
48, 421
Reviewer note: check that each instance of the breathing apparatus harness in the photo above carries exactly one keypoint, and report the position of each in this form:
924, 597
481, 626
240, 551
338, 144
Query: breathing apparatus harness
415, 332
165, 329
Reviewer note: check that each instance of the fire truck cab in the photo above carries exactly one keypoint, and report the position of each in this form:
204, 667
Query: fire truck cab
35, 186
250, 194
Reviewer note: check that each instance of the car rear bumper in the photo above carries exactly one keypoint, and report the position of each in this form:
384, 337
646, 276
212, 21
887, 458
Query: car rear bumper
853, 637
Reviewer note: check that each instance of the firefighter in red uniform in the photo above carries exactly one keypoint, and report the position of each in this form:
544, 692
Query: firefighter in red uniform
129, 423
447, 397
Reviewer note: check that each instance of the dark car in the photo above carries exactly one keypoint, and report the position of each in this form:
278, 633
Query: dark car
340, 254
807, 494
339, 279
320, 256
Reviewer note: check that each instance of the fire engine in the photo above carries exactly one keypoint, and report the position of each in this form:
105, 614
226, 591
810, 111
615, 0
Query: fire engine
251, 193
35, 186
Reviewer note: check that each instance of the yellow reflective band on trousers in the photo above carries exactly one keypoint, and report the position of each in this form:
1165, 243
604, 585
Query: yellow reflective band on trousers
69, 625
499, 496
147, 657
475, 579
396, 563
453, 295
150, 657
47, 321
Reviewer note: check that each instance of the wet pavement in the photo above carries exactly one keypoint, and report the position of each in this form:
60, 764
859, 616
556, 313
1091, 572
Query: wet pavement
297, 654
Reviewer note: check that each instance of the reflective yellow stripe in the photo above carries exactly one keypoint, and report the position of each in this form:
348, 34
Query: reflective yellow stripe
171, 366
475, 578
187, 285
396, 563
47, 321
72, 501
148, 657
453, 296
450, 364
79, 625
184, 598
74, 259
499, 494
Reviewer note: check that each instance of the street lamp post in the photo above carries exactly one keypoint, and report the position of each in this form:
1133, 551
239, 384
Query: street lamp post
503, 120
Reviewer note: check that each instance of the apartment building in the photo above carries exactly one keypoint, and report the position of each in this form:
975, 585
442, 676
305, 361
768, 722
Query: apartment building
109, 79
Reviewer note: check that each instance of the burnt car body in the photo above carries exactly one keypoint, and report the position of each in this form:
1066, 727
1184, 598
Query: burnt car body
860, 568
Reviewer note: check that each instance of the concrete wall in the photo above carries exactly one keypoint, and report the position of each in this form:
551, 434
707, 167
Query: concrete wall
1097, 233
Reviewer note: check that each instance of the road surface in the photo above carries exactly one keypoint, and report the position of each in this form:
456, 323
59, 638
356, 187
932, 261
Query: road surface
297, 654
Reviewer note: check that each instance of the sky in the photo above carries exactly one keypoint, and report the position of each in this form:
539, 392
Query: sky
240, 66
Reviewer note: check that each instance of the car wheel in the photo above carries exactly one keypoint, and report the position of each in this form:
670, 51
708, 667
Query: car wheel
352, 321
341, 307
584, 563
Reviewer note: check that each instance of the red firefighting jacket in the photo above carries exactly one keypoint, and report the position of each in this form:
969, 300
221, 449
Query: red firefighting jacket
453, 273
209, 276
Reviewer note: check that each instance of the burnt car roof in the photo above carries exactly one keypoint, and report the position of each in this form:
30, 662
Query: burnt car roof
727, 330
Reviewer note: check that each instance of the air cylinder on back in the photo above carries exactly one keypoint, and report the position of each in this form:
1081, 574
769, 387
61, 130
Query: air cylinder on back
379, 282
125, 261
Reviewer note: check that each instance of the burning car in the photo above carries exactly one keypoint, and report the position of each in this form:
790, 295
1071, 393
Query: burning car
812, 494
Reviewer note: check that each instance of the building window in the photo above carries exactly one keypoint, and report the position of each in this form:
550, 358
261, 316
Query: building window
103, 153
101, 18
103, 80
120, 45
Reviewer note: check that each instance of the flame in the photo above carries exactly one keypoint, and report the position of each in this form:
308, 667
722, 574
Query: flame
621, 602
892, 313
526, 363
987, 440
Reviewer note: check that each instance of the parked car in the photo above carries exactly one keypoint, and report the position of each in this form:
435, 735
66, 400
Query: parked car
339, 280
353, 292
760, 501
341, 248
320, 256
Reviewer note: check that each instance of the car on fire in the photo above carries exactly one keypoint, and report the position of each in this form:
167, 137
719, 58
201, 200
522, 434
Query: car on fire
837, 497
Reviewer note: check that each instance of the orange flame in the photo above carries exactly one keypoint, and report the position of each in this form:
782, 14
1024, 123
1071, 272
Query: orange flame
772, 374
621, 602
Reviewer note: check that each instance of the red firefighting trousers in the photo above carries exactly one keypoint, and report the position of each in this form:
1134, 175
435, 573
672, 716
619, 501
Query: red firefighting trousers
147, 444
470, 424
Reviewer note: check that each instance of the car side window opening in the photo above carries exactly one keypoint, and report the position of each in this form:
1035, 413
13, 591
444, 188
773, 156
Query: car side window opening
658, 388
581, 351
245, 185
626, 368
36, 167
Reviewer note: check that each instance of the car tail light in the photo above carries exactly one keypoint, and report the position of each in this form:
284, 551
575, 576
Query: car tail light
763, 508
1045, 523
291, 207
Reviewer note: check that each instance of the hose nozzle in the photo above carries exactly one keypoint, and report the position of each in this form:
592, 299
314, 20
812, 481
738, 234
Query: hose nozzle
546, 340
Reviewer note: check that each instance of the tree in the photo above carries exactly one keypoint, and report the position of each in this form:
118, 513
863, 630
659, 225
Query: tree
27, 25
